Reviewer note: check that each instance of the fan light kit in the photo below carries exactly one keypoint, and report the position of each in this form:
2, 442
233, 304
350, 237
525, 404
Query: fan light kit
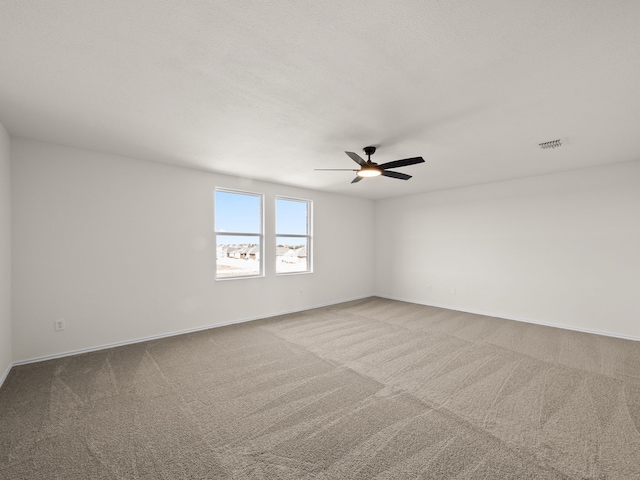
369, 172
372, 169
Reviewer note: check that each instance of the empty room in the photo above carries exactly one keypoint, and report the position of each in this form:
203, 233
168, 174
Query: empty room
319, 240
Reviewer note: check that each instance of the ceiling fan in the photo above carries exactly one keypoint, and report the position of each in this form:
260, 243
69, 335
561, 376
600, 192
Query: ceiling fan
371, 169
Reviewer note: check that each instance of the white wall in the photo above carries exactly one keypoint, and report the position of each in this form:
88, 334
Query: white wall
5, 254
123, 249
560, 249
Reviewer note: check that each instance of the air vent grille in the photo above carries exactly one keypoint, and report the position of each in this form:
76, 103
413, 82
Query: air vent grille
551, 144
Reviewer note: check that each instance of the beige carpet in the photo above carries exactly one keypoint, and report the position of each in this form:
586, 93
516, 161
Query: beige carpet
372, 389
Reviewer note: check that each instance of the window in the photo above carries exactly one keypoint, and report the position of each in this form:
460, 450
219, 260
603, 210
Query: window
293, 235
238, 229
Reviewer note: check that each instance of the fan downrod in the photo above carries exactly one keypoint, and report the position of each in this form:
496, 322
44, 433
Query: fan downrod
369, 151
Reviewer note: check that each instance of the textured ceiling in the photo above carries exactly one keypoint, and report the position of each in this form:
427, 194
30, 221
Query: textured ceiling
271, 90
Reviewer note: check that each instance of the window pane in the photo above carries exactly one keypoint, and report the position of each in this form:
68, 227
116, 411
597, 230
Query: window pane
291, 254
237, 212
237, 255
291, 217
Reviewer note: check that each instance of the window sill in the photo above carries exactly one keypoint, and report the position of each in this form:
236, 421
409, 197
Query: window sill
284, 274
243, 277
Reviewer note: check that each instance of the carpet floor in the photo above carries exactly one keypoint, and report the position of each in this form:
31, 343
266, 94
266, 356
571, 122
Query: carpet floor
370, 389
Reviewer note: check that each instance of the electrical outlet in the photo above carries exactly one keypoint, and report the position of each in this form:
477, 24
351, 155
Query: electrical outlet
453, 291
58, 325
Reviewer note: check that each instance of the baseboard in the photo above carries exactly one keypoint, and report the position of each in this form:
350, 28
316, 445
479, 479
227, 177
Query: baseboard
311, 307
174, 333
517, 319
5, 374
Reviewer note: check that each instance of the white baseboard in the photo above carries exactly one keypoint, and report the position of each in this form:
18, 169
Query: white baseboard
4, 375
244, 320
172, 334
517, 319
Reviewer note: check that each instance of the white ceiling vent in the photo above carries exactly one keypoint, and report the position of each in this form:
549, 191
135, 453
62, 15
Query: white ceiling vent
552, 144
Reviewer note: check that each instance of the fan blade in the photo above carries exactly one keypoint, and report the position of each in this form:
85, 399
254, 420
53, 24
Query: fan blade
338, 169
401, 176
402, 163
356, 158
356, 180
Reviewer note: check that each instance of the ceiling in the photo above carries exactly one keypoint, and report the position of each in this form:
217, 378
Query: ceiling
272, 90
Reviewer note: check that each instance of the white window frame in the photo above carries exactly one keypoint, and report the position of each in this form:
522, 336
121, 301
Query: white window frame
308, 236
259, 236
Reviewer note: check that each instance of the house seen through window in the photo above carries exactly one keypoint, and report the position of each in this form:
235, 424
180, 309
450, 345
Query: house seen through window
239, 234
293, 235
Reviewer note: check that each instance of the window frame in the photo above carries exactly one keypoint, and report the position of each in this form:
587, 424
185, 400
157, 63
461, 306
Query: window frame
308, 236
259, 236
